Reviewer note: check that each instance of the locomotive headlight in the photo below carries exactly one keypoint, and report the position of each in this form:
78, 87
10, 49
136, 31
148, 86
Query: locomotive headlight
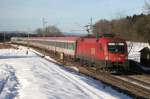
106, 57
111, 44
121, 44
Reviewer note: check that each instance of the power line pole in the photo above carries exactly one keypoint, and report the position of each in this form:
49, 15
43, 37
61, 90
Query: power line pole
44, 22
28, 37
4, 37
89, 27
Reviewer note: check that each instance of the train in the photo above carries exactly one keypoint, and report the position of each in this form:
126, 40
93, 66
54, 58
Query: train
107, 52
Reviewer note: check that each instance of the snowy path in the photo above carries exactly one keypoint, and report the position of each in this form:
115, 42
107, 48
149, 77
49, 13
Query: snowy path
32, 77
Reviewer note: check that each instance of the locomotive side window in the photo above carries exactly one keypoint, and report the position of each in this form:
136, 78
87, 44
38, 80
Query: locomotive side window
101, 47
116, 47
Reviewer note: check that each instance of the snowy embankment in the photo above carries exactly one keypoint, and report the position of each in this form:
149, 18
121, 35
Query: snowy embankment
8, 82
134, 48
28, 76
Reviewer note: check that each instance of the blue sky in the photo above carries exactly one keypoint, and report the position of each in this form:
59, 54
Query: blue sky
68, 15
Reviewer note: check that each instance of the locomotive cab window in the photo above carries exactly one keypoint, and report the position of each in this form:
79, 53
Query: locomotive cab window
116, 47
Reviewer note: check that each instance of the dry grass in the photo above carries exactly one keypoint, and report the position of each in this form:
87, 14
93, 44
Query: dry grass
5, 46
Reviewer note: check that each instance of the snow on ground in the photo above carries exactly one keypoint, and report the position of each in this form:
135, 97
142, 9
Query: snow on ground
8, 82
29, 76
134, 48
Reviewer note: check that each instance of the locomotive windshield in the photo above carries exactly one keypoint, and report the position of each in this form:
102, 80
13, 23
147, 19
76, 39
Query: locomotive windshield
116, 47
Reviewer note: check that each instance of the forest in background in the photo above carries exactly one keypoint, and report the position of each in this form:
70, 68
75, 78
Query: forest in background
134, 28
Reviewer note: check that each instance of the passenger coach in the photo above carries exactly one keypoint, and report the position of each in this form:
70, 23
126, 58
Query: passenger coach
66, 45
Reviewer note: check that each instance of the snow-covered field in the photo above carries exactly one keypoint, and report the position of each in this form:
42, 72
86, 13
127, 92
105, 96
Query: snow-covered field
32, 77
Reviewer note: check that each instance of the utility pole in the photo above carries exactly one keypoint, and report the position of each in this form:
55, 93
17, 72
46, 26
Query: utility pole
28, 38
4, 37
89, 27
44, 22
28, 41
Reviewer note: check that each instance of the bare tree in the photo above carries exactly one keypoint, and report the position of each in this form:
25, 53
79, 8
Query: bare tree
49, 31
147, 7
102, 26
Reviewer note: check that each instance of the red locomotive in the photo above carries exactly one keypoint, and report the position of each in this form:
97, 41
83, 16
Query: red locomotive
106, 51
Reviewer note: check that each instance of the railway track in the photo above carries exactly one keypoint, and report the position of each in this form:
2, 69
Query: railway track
137, 81
129, 85
144, 78
137, 90
136, 86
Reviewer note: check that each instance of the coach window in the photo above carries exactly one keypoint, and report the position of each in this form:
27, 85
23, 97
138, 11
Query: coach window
51, 43
74, 45
65, 45
42, 42
61, 44
56, 44
71, 46
46, 42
